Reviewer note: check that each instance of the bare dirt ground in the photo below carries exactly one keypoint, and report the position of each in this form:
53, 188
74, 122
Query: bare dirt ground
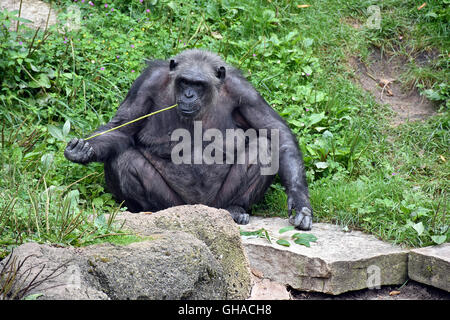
34, 10
380, 76
410, 291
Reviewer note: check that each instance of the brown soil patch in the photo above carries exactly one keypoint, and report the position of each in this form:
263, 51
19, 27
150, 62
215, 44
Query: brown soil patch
380, 77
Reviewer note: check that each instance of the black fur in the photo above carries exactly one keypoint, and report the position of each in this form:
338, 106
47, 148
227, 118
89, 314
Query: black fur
137, 157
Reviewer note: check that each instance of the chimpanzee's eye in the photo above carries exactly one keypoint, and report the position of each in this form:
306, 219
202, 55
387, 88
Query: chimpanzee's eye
184, 82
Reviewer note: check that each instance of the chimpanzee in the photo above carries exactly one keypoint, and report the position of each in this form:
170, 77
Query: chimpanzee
213, 100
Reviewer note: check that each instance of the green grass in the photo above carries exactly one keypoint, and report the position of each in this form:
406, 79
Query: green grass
62, 84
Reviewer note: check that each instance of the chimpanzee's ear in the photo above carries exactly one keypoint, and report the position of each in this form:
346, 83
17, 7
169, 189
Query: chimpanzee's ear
172, 65
221, 73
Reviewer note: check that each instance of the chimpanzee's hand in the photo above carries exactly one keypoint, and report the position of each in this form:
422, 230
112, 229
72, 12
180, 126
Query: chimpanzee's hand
299, 208
79, 151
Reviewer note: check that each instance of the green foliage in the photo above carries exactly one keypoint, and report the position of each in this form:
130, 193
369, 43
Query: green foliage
440, 92
260, 233
390, 206
304, 239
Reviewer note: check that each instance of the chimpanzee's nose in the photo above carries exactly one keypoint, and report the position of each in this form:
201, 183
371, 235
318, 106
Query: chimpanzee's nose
189, 93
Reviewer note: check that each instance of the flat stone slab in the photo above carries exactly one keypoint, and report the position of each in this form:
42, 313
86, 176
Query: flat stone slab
337, 262
431, 265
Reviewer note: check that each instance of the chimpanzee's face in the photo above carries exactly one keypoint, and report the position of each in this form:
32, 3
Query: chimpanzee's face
192, 94
196, 86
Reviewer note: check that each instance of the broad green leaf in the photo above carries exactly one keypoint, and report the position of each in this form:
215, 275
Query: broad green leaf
419, 228
42, 80
318, 129
283, 242
66, 128
100, 221
305, 236
439, 239
315, 118
34, 68
172, 5
321, 165
308, 70
73, 195
47, 160
268, 15
291, 35
252, 233
327, 134
288, 228
296, 123
55, 132
303, 242
261, 233
97, 202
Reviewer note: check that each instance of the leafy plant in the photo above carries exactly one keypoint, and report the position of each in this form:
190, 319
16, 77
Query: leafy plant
299, 238
440, 93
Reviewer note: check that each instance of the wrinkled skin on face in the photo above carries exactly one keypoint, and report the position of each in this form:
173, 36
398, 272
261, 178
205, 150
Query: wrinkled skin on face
139, 168
190, 96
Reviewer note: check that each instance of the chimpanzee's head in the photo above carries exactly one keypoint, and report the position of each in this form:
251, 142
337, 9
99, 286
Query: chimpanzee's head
197, 77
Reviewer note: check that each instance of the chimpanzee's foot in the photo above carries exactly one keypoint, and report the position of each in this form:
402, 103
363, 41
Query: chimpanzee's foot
238, 214
303, 219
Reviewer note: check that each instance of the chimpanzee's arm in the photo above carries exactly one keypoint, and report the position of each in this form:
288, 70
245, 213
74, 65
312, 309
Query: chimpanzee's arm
260, 115
137, 103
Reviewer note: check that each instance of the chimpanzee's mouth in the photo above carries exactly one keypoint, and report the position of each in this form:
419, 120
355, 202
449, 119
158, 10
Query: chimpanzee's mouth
188, 111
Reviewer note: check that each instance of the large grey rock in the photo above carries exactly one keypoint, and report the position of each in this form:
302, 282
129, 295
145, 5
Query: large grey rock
338, 262
172, 266
214, 227
431, 265
196, 263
